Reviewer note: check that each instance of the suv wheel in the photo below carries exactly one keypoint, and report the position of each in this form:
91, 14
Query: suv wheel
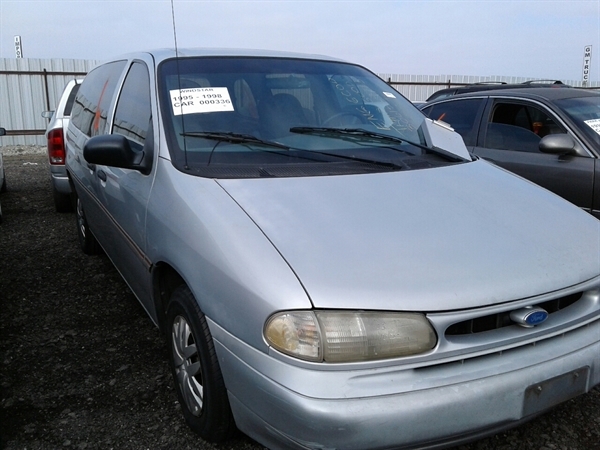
62, 202
3, 187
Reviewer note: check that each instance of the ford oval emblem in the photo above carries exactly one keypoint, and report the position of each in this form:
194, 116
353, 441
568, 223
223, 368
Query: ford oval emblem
529, 316
536, 317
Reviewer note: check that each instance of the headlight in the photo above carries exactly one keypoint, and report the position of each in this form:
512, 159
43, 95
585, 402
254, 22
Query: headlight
341, 336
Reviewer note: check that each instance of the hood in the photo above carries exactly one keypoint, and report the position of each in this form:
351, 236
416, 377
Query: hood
460, 236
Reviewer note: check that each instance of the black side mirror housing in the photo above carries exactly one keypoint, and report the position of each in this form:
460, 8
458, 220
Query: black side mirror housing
559, 144
115, 150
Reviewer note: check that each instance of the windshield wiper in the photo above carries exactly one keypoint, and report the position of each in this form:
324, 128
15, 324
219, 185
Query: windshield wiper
353, 133
305, 154
390, 165
349, 132
236, 138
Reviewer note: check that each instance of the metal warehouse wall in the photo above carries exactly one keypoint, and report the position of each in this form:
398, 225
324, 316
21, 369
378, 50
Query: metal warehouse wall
27, 88
30, 86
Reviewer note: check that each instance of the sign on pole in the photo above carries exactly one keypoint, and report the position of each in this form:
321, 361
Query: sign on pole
18, 48
587, 64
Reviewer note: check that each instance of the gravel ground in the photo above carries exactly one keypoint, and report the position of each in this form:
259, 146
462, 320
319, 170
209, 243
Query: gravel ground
81, 365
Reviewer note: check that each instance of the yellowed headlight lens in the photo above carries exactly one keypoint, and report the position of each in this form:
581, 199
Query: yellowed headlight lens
349, 336
365, 336
295, 333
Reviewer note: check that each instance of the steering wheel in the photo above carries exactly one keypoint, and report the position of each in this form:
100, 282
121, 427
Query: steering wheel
357, 115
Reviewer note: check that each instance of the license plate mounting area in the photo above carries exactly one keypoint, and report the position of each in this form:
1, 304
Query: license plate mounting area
551, 392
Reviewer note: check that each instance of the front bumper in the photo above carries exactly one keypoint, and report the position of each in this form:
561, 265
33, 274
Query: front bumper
312, 406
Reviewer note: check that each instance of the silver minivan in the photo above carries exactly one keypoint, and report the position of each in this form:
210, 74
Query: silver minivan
329, 267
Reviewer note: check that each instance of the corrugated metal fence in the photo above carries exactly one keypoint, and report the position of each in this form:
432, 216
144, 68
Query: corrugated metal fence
30, 86
27, 88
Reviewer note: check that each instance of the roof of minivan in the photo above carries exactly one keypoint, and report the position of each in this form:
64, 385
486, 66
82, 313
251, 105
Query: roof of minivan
167, 53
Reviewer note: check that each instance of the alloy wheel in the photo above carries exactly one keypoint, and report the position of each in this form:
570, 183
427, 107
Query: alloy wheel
187, 365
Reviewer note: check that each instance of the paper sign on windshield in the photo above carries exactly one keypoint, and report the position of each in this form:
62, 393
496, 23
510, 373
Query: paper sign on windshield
594, 124
200, 100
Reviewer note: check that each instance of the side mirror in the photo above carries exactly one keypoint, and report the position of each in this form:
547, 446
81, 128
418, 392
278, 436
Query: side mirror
559, 144
115, 150
47, 114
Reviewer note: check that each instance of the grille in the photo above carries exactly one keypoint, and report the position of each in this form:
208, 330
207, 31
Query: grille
500, 320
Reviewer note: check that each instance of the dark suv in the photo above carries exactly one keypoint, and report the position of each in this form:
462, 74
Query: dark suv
491, 85
550, 136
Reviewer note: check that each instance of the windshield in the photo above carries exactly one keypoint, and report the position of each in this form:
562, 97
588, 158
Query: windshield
585, 112
250, 117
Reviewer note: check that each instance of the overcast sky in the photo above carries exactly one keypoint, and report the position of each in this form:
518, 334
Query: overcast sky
528, 38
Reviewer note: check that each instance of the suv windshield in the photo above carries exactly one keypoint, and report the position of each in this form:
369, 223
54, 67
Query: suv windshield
585, 112
229, 117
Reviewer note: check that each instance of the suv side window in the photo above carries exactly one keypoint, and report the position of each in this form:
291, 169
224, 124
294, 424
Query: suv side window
90, 110
133, 112
462, 115
519, 127
71, 100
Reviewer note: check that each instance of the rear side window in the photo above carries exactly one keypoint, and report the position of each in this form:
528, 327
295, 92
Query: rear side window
439, 95
462, 115
90, 110
71, 100
133, 112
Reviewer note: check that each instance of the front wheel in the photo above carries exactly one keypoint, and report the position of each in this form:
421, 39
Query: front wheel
195, 368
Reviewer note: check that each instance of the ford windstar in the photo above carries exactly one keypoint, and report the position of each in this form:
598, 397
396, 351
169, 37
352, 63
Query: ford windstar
330, 268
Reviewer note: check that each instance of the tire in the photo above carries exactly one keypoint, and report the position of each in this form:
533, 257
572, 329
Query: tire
3, 187
195, 369
62, 202
87, 241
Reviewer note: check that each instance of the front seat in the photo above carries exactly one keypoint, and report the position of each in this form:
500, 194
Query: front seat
279, 113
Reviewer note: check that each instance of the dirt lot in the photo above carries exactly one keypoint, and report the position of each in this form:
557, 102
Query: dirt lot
83, 367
